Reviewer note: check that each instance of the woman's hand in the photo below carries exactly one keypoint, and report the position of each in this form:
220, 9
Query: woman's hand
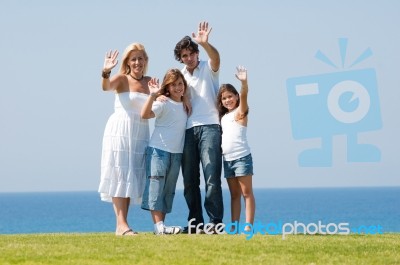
110, 60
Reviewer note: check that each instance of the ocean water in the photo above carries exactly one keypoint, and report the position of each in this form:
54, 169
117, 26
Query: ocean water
70, 212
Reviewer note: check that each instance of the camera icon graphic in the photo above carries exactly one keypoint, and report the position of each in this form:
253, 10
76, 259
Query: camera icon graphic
338, 103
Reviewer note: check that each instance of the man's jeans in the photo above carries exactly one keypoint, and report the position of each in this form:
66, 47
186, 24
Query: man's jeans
203, 144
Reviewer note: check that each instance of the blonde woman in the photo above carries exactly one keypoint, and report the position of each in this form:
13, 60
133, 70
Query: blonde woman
126, 134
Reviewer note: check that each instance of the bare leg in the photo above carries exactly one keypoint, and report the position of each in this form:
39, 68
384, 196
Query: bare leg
246, 187
235, 191
121, 207
157, 216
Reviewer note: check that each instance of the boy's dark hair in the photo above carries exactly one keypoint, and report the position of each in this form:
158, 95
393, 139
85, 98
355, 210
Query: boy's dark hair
185, 43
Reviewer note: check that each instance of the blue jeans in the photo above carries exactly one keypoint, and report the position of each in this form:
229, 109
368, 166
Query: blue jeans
162, 171
239, 167
203, 144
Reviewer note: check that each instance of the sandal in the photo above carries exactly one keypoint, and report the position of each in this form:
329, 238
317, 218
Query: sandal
129, 232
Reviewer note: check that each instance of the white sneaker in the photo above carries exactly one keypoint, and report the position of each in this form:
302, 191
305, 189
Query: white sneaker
172, 230
169, 230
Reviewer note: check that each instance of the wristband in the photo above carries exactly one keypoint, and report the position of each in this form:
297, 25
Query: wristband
105, 74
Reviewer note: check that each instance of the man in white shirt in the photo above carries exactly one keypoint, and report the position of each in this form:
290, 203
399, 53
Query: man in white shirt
203, 132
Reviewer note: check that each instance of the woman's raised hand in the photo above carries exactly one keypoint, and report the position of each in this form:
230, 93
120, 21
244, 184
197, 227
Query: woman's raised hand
110, 60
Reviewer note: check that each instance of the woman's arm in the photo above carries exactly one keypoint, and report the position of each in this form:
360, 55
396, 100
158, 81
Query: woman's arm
110, 61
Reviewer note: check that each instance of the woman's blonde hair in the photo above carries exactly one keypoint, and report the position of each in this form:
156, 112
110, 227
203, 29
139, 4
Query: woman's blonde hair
124, 68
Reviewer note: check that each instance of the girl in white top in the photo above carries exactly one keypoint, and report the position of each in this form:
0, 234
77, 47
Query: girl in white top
238, 165
164, 153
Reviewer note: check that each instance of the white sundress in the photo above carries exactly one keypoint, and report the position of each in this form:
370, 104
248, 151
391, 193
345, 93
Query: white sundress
126, 136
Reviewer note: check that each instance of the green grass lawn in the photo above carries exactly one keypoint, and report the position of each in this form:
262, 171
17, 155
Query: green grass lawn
146, 248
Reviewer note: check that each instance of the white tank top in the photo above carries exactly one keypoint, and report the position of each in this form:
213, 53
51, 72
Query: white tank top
234, 138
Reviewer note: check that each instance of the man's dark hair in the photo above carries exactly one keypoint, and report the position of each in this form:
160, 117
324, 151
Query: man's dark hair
185, 43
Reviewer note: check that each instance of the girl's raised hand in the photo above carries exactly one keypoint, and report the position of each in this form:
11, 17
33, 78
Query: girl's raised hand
154, 85
241, 73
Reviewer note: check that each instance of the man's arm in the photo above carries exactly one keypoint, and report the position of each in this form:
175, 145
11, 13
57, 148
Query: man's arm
202, 39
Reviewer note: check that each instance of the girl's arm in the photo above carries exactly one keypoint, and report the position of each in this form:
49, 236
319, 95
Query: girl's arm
154, 88
243, 108
187, 105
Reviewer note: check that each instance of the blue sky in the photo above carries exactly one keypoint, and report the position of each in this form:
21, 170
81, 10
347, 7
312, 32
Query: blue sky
53, 111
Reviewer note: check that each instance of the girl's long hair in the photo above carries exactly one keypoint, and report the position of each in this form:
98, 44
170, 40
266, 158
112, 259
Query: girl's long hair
225, 88
171, 76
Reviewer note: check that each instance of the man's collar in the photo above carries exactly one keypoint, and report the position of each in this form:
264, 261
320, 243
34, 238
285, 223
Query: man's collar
185, 70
